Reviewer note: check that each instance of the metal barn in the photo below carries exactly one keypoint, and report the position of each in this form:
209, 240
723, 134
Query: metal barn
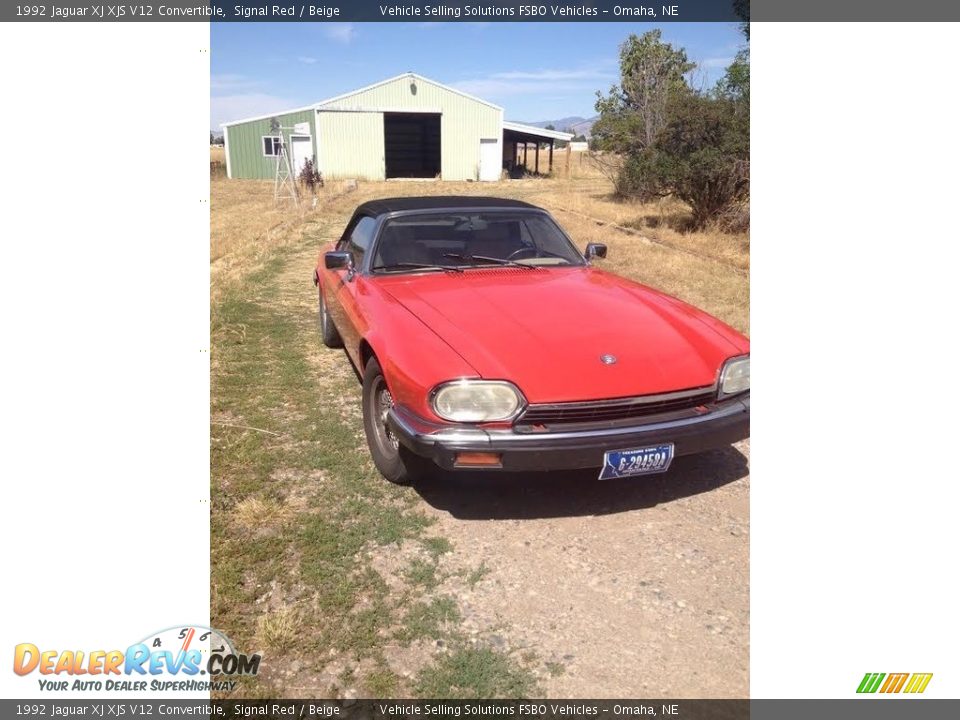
404, 127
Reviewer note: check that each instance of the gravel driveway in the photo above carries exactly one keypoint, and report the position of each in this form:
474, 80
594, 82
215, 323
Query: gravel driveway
629, 588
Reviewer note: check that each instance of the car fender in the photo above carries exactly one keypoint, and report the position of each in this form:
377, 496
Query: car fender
414, 359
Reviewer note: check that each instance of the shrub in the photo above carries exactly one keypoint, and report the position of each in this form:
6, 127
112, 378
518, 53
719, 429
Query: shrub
310, 177
702, 156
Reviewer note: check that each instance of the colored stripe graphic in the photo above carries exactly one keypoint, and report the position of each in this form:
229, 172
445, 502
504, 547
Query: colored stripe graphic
894, 682
918, 683
870, 682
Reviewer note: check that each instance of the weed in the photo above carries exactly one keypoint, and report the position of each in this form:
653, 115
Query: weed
471, 672
279, 630
477, 574
429, 619
554, 668
423, 573
437, 546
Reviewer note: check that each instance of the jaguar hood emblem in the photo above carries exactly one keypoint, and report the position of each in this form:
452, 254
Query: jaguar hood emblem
608, 359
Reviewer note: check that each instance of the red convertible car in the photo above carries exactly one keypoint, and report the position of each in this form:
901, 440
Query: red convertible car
486, 340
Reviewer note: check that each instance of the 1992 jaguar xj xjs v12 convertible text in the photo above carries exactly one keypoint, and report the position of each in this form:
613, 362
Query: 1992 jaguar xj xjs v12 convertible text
486, 340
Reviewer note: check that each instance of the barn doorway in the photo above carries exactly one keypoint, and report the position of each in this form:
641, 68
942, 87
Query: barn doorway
411, 145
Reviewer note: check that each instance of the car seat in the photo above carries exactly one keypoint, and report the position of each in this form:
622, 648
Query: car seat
399, 245
498, 239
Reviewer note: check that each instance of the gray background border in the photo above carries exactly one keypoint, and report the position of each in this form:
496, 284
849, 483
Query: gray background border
369, 10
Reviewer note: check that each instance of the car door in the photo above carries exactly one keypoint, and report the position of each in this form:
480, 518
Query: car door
343, 300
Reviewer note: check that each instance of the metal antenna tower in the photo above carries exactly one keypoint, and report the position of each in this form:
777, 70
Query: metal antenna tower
284, 182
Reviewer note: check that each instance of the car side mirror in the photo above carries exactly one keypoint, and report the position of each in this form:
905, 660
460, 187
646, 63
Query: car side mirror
338, 260
595, 250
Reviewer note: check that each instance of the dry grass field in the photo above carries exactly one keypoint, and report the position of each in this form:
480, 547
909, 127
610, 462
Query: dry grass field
647, 241
247, 226
352, 587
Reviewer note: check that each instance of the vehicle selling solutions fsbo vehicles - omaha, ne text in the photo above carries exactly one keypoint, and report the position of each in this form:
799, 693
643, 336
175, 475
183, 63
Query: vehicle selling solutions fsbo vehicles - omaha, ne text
486, 340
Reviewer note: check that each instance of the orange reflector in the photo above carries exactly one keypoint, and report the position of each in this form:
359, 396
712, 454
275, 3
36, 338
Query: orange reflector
477, 459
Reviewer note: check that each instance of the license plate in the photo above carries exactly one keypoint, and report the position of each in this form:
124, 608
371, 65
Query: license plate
644, 461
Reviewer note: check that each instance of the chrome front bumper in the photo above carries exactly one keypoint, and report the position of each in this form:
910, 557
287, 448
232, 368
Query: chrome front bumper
726, 423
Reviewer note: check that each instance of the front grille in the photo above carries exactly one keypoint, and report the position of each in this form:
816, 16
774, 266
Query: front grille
620, 409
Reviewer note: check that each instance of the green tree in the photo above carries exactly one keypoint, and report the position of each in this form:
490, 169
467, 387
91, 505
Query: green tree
661, 137
632, 113
652, 73
702, 156
735, 83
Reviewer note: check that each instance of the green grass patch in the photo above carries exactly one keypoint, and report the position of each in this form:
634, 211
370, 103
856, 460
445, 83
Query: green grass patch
475, 673
277, 421
429, 620
477, 574
423, 573
554, 668
437, 546
382, 682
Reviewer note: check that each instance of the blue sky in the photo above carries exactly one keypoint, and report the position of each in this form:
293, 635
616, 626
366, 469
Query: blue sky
539, 71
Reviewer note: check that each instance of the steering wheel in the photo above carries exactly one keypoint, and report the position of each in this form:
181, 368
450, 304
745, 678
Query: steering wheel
532, 251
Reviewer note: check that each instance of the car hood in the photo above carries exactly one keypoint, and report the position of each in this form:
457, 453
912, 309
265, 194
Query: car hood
546, 331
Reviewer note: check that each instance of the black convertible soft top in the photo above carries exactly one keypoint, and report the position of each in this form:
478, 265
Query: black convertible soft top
437, 202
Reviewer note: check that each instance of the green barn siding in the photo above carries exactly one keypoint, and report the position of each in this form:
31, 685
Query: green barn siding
463, 123
246, 147
350, 145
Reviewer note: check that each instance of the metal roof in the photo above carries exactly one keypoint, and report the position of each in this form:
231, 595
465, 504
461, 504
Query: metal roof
414, 76
538, 131
323, 103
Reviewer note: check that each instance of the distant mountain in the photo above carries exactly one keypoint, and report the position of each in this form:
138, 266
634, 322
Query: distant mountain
579, 125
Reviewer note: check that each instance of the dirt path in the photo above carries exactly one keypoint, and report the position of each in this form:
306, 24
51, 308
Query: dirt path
618, 589
635, 588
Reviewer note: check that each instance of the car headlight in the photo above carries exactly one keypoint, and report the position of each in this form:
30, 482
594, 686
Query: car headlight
735, 377
477, 401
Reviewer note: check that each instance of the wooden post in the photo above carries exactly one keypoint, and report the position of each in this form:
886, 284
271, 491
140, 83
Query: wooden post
568, 161
536, 160
524, 156
551, 156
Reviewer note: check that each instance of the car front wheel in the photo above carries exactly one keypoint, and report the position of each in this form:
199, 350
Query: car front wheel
394, 461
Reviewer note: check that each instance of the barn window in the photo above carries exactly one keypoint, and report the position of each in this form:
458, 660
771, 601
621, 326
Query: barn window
271, 145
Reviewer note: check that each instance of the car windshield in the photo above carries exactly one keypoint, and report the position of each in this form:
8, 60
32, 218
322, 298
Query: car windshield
463, 240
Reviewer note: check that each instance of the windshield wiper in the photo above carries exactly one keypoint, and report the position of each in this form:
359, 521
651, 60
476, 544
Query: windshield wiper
488, 259
417, 266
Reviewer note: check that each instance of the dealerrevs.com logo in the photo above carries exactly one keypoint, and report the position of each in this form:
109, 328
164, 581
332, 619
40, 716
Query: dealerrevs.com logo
910, 683
182, 658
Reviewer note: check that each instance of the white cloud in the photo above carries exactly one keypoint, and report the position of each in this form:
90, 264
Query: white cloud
231, 82
549, 75
571, 82
716, 62
307, 60
227, 108
340, 32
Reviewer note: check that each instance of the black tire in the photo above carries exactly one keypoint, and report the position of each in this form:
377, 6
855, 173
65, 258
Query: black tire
328, 331
394, 461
